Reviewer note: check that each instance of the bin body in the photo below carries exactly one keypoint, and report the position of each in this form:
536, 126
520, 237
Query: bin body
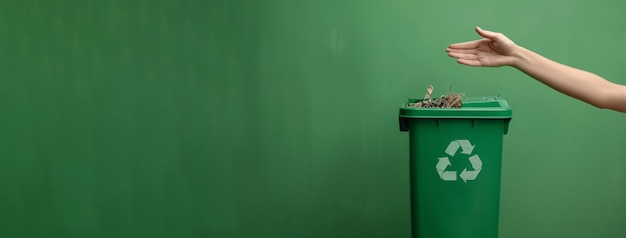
455, 167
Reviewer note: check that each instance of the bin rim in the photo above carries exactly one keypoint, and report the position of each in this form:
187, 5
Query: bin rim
472, 107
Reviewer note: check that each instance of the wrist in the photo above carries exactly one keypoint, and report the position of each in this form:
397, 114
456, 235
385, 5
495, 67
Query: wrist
520, 57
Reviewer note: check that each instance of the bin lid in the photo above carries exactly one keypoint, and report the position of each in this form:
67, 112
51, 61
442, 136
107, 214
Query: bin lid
471, 107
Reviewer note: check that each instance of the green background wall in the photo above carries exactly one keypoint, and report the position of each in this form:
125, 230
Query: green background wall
278, 118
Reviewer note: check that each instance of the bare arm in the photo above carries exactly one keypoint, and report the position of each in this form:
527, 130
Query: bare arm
495, 49
573, 82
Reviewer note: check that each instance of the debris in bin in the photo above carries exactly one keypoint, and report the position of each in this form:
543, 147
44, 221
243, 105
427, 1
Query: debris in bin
429, 92
452, 100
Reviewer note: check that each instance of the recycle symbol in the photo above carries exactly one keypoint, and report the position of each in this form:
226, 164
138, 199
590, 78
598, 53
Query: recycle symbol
466, 148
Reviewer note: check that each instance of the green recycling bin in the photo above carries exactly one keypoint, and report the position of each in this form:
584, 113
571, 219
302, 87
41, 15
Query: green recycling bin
455, 166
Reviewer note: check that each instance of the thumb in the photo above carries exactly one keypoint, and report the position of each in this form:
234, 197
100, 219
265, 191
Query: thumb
487, 34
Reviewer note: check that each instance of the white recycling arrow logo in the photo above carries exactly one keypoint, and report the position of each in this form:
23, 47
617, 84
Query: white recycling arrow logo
466, 148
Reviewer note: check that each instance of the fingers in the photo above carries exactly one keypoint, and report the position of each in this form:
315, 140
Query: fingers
466, 57
466, 45
469, 62
459, 55
487, 34
465, 51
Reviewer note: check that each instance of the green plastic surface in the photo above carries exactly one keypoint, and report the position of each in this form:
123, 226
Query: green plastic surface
455, 163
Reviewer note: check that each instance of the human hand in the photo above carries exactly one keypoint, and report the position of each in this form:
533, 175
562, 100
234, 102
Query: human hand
493, 50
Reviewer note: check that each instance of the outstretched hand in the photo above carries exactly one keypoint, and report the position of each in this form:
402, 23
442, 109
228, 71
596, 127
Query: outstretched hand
493, 50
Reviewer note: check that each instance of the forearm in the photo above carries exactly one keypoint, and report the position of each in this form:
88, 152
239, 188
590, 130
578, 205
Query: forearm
573, 82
